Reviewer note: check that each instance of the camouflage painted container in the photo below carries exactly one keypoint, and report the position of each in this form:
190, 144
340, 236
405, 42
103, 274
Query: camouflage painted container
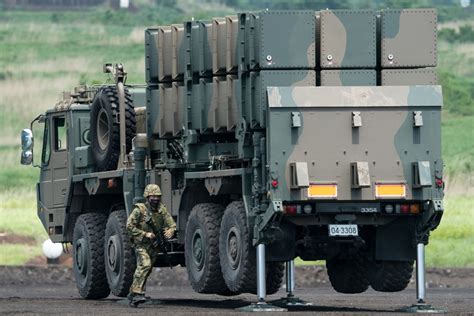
401, 77
333, 135
165, 106
219, 45
198, 110
198, 47
256, 83
348, 77
232, 29
272, 36
348, 39
178, 51
408, 38
158, 55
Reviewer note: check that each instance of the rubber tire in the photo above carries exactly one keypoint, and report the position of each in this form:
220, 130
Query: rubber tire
107, 98
89, 233
243, 277
207, 278
390, 276
121, 279
275, 272
348, 275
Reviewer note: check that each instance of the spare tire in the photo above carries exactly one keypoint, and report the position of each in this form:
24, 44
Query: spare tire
105, 127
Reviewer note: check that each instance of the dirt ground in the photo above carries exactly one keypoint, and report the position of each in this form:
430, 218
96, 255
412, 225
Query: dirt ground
36, 290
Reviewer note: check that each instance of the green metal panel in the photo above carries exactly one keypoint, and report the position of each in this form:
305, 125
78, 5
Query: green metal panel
348, 77
348, 39
286, 39
178, 51
400, 77
153, 108
151, 54
408, 38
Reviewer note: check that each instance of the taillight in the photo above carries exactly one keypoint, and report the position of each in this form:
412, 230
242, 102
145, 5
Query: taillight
275, 184
290, 209
439, 182
405, 208
415, 208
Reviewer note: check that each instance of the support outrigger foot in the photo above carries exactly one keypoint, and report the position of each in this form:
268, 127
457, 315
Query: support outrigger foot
290, 299
261, 305
421, 306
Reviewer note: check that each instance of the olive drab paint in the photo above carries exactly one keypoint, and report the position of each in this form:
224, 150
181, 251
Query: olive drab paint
262, 109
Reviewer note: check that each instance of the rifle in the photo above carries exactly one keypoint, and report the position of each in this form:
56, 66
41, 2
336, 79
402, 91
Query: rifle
159, 241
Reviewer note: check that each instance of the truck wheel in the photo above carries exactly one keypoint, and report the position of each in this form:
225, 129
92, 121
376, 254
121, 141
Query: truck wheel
202, 249
88, 255
275, 272
105, 127
348, 275
120, 262
237, 256
390, 276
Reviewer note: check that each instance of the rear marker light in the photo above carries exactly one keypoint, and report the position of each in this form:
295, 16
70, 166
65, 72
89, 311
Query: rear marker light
415, 208
275, 184
439, 182
405, 208
290, 209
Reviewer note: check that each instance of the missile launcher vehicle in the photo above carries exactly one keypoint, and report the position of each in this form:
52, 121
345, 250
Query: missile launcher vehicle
273, 135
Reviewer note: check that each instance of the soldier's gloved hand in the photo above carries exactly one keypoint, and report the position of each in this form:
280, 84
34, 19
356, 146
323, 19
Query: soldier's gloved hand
150, 235
168, 233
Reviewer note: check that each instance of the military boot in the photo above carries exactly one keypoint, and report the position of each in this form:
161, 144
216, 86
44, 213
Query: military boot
136, 299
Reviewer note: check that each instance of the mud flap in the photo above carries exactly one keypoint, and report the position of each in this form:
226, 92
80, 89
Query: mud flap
396, 241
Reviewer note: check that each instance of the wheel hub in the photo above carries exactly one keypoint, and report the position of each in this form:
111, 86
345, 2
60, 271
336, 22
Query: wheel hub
113, 253
103, 133
233, 247
198, 255
81, 256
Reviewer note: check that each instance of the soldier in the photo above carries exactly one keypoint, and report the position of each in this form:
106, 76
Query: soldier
144, 222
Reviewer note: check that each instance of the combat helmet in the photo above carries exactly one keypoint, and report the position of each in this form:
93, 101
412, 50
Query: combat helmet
151, 189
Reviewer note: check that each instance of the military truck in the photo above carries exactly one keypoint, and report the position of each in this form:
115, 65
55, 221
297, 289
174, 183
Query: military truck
273, 135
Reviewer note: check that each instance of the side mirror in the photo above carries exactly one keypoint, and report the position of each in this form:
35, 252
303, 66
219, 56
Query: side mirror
26, 147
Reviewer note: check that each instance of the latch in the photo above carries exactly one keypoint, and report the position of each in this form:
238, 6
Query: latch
356, 119
295, 119
417, 118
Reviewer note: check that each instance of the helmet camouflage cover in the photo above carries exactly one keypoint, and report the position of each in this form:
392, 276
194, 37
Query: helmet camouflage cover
151, 189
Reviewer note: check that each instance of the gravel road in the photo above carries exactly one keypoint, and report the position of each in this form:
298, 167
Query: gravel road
31, 291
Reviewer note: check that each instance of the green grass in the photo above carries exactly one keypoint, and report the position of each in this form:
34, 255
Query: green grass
44, 53
452, 244
15, 254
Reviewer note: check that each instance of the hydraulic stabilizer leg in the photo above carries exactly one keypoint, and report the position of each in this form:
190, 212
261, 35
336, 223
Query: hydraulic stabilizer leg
290, 299
261, 305
421, 306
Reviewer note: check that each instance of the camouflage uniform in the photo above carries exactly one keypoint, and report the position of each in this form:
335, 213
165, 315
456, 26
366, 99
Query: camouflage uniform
137, 227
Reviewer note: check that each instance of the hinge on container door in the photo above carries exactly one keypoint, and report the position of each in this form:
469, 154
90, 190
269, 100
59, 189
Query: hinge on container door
295, 119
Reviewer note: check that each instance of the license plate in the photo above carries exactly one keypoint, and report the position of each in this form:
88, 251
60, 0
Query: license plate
343, 230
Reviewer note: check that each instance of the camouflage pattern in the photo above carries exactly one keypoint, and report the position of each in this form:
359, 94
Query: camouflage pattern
137, 226
401, 77
326, 112
348, 39
359, 77
151, 189
408, 38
